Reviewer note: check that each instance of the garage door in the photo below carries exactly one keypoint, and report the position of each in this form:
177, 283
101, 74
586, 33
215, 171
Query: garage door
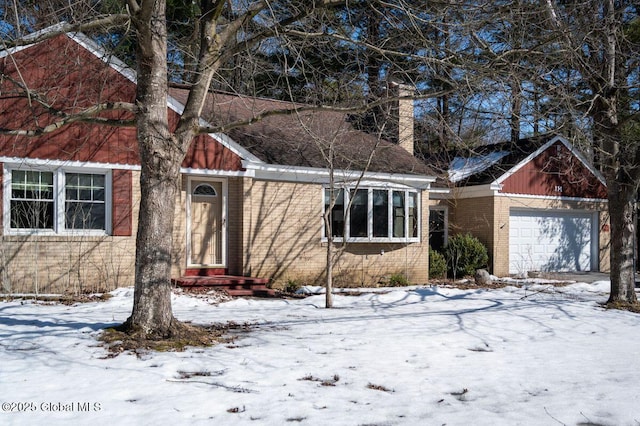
551, 241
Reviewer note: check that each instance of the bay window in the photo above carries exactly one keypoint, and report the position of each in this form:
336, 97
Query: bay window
56, 201
374, 215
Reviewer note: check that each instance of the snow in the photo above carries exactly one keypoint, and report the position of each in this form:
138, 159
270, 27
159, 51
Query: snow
463, 167
526, 354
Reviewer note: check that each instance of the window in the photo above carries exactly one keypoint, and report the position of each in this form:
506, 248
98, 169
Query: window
205, 190
375, 215
336, 217
32, 203
437, 228
85, 206
358, 214
57, 201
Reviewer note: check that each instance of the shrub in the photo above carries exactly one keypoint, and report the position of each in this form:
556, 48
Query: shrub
437, 264
464, 254
398, 280
292, 286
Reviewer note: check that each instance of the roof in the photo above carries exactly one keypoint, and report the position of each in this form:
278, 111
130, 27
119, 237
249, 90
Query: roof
486, 164
303, 139
296, 139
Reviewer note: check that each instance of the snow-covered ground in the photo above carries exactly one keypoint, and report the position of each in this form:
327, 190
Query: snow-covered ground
526, 355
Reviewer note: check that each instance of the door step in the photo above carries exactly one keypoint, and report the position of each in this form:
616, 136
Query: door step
231, 284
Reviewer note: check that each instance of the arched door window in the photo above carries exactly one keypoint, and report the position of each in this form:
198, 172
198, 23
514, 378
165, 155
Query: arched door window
205, 190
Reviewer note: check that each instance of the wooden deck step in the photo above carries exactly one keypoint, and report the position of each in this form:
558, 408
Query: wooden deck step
233, 285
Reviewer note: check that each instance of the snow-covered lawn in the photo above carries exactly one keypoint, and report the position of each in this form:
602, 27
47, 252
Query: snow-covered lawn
414, 356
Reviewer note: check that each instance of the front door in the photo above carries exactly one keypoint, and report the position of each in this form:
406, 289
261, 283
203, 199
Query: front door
206, 227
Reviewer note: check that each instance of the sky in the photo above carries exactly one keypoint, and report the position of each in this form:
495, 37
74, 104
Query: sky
527, 354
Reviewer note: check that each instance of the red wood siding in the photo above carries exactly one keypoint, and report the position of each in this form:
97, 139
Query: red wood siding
555, 172
122, 211
1, 198
206, 154
69, 78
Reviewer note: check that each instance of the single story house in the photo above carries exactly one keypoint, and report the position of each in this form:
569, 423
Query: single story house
252, 198
538, 205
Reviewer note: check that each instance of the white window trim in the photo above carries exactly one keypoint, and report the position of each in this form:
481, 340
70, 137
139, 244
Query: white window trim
58, 200
371, 239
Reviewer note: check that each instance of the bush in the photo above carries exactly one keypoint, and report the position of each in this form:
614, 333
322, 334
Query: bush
464, 254
292, 286
437, 264
398, 280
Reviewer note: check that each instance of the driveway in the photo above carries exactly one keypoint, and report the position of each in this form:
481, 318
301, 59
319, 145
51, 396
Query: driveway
583, 277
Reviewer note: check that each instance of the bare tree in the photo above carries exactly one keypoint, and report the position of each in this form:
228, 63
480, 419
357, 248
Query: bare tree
225, 30
600, 47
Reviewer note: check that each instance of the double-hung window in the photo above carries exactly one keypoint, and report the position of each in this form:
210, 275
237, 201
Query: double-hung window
32, 200
372, 214
85, 201
57, 201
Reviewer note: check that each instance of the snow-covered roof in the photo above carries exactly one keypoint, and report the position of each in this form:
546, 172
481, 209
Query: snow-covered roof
463, 167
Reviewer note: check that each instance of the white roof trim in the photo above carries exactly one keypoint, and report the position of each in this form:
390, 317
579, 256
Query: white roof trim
461, 168
7, 52
221, 138
553, 197
32, 36
476, 191
440, 190
543, 148
235, 147
40, 162
257, 167
105, 56
124, 70
321, 175
214, 172
83, 41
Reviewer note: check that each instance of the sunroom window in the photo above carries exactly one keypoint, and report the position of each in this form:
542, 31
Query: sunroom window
374, 215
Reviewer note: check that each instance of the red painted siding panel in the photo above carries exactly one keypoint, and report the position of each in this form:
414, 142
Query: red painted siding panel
122, 220
205, 153
69, 79
555, 172
1, 197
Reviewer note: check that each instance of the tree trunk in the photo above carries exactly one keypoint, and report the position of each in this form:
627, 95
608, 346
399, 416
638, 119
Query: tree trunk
328, 301
621, 213
328, 298
516, 109
160, 158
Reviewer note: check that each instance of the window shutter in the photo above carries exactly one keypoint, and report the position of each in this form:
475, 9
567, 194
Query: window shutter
122, 203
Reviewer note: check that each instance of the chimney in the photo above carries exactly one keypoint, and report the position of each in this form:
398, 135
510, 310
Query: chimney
404, 109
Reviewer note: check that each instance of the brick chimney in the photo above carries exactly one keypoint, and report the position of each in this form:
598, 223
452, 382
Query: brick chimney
403, 110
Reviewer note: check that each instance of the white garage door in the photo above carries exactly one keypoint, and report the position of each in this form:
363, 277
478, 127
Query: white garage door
551, 241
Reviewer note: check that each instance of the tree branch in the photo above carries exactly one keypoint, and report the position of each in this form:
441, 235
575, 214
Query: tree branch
107, 21
313, 108
85, 116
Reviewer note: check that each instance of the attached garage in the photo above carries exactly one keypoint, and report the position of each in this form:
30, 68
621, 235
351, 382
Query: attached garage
537, 204
552, 240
